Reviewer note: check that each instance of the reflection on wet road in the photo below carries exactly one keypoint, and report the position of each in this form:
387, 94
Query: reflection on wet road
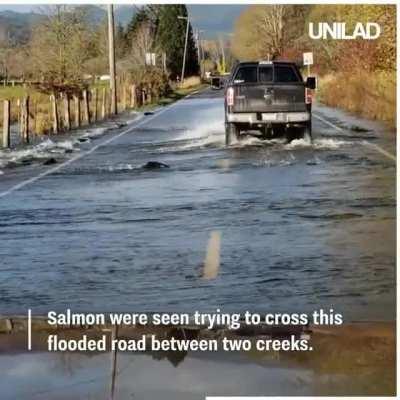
352, 360
301, 226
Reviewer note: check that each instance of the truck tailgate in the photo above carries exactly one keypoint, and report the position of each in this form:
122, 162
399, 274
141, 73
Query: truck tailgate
269, 97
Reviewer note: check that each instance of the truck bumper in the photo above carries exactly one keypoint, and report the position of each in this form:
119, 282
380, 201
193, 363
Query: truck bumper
268, 118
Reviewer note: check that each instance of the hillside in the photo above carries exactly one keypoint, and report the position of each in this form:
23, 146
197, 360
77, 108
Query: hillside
15, 26
16, 21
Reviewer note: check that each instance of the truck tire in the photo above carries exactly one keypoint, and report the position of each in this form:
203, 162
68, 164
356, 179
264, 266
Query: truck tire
231, 132
307, 131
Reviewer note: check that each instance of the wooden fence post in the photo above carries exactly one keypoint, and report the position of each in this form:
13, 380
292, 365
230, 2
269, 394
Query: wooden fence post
19, 115
6, 123
20, 118
103, 104
67, 112
86, 107
77, 110
25, 119
133, 96
35, 114
54, 113
94, 97
124, 98
143, 96
109, 102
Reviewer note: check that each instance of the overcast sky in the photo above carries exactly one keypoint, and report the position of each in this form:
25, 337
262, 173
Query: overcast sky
22, 8
222, 20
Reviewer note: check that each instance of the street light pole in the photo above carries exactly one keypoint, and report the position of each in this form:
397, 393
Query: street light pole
186, 42
111, 55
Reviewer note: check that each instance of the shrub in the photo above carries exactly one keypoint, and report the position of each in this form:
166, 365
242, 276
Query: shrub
372, 95
190, 82
152, 77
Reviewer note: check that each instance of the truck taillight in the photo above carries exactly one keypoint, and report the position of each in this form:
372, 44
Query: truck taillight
308, 96
230, 96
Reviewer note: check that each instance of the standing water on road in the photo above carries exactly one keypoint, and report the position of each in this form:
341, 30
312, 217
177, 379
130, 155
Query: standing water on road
301, 226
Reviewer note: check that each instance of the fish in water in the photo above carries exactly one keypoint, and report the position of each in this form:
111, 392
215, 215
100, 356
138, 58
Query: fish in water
148, 113
155, 165
212, 260
50, 161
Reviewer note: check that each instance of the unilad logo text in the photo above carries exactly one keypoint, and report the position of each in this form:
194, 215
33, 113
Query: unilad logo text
338, 30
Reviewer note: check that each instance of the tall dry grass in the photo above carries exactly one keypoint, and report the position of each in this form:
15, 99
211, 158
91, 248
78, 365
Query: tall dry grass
371, 95
190, 82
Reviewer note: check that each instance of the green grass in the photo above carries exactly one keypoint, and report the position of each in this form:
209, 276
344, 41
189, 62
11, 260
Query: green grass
14, 92
175, 95
18, 91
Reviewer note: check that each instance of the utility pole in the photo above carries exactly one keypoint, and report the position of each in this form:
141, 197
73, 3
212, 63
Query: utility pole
114, 338
197, 36
201, 53
186, 42
222, 44
111, 56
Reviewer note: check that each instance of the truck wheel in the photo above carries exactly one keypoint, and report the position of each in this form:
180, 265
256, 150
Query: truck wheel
307, 132
231, 131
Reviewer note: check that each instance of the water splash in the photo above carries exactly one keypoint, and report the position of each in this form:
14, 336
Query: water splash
318, 144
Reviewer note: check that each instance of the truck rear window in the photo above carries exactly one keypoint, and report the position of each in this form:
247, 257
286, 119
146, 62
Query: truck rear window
267, 73
247, 74
285, 73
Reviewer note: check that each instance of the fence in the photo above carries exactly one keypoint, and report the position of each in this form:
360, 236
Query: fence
64, 112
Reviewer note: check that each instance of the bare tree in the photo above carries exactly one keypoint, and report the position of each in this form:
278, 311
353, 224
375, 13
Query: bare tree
142, 43
269, 29
266, 31
60, 45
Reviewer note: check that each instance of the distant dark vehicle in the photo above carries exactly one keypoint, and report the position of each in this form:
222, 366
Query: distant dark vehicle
268, 97
216, 82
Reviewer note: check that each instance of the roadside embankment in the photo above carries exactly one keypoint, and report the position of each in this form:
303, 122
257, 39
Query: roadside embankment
369, 95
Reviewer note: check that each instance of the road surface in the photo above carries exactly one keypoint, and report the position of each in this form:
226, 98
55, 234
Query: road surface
301, 226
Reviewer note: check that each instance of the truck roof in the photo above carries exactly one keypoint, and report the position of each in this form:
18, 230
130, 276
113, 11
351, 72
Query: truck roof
265, 62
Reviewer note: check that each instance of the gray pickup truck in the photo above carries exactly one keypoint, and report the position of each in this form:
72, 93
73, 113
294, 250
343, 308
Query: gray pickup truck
270, 98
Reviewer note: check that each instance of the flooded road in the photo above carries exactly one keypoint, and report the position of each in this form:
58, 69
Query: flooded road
300, 226
78, 376
357, 359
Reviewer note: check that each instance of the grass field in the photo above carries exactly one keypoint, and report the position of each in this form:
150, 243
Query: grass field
16, 92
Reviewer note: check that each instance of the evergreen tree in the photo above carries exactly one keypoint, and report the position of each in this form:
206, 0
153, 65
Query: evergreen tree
121, 41
170, 38
137, 19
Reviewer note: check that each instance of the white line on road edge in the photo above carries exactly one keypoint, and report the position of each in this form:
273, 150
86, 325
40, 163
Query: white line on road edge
29, 329
364, 142
379, 149
328, 123
81, 155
